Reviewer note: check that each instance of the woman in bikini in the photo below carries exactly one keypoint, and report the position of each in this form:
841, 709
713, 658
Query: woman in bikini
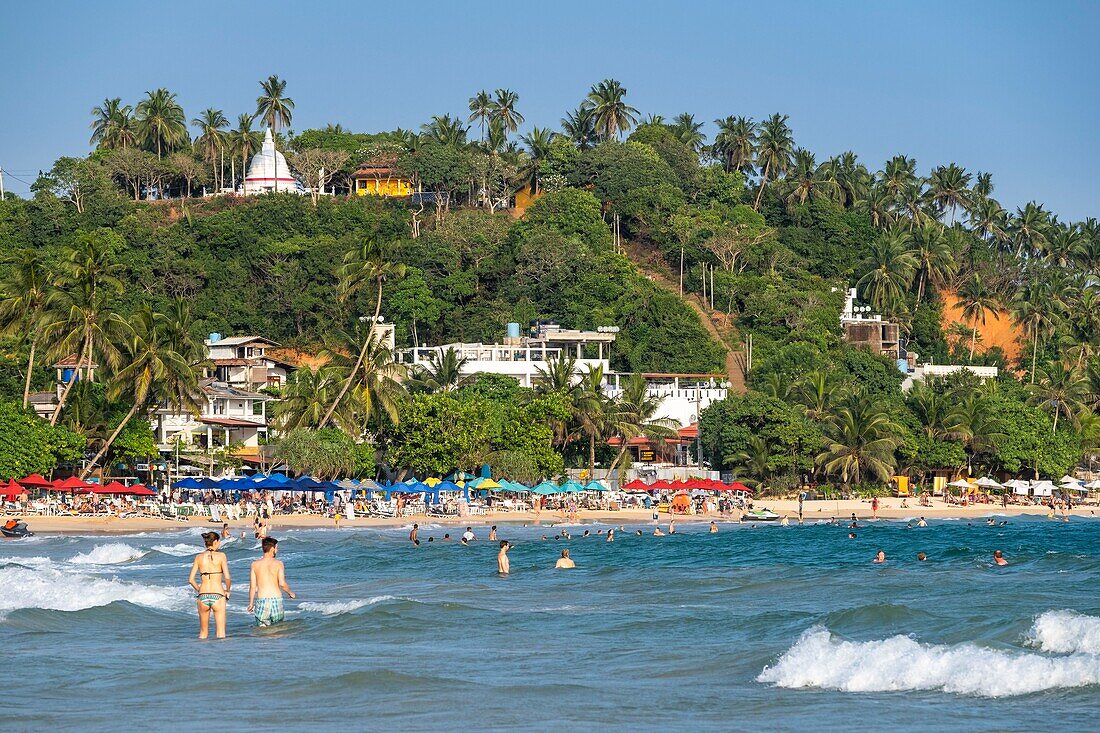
213, 587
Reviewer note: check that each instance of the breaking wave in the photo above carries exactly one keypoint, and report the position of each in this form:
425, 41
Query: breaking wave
112, 554
335, 608
820, 660
1066, 632
56, 590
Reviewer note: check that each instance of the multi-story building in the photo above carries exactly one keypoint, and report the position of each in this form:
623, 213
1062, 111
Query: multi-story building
245, 361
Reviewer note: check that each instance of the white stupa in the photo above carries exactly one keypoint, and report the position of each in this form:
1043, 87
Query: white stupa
268, 171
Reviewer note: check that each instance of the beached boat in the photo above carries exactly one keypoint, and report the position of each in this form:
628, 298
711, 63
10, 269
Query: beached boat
760, 515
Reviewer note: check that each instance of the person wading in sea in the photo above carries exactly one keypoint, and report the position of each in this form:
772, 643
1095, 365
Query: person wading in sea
267, 585
213, 590
503, 566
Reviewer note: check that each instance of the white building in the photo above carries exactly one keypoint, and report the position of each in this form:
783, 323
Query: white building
921, 372
230, 416
268, 171
244, 361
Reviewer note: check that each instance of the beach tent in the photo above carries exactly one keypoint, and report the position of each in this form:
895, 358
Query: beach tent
988, 483
35, 481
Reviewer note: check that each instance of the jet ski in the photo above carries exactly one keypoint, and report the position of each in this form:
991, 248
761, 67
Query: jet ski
15, 528
760, 515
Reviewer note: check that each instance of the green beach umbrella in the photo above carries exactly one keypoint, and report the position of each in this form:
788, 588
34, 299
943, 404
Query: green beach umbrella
545, 488
596, 486
571, 487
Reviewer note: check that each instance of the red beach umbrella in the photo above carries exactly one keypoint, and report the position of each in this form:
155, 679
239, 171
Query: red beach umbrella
141, 490
11, 489
35, 481
636, 485
71, 484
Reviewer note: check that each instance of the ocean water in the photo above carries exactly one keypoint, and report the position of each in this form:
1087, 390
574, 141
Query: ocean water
765, 628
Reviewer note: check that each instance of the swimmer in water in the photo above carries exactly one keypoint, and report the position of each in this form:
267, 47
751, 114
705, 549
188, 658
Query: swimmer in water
585, 533
999, 558
784, 522
921, 556
226, 534
921, 522
671, 525
713, 527
990, 522
267, 585
657, 532
413, 534
493, 533
610, 535
503, 566
851, 535
565, 562
639, 533
880, 557
446, 536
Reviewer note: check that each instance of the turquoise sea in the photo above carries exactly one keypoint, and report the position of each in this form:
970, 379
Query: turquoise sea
765, 628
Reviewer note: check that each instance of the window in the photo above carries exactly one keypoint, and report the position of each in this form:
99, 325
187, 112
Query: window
257, 407
219, 407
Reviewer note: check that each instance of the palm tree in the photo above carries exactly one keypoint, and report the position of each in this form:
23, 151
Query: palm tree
634, 414
26, 289
378, 390
989, 221
804, 182
86, 324
972, 422
538, 143
504, 110
1065, 245
931, 407
773, 155
580, 127
212, 141
754, 460
912, 203
848, 177
949, 187
935, 260
688, 131
443, 372
245, 142
612, 115
1031, 307
890, 266
445, 130
976, 301
1029, 229
364, 266
860, 442
898, 173
591, 410
558, 378
735, 143
273, 106
481, 109
161, 122
152, 367
113, 125
879, 205
1061, 389
306, 398
817, 392
983, 187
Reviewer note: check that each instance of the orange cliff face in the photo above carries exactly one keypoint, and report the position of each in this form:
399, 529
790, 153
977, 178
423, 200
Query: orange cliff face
999, 328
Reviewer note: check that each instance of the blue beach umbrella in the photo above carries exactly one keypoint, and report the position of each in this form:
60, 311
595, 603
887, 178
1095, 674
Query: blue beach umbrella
187, 483
571, 487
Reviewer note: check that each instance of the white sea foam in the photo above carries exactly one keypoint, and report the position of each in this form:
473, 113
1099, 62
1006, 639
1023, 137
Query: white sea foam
1066, 632
181, 549
111, 554
820, 660
335, 608
57, 590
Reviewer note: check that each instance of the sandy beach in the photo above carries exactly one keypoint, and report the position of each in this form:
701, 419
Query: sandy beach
812, 511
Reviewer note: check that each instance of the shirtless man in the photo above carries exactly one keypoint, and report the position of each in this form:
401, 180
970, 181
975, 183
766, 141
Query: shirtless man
413, 534
713, 528
999, 558
502, 558
565, 562
267, 585
493, 533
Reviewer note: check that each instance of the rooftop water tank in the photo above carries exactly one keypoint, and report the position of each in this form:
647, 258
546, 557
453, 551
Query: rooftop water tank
512, 331
215, 337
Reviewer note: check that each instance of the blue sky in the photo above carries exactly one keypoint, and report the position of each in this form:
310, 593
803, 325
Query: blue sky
1005, 87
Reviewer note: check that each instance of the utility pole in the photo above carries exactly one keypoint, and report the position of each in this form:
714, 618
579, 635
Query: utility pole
3, 197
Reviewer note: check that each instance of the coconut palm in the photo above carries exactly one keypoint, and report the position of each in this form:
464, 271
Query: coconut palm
848, 178
442, 374
273, 106
580, 127
113, 125
804, 181
989, 221
935, 259
559, 377
1060, 389
1065, 245
212, 141
1028, 229
983, 187
949, 187
912, 203
754, 461
773, 153
538, 143
86, 324
860, 442
445, 130
977, 300
481, 110
879, 205
889, 266
898, 173
26, 292
688, 131
377, 382
817, 392
735, 143
591, 410
161, 123
1031, 307
306, 398
368, 265
634, 414
972, 422
931, 408
612, 115
245, 142
504, 110
152, 368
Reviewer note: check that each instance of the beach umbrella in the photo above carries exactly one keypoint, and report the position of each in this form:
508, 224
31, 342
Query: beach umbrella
35, 481
1093, 485
72, 484
1042, 488
571, 487
636, 485
483, 484
961, 483
461, 476
272, 483
988, 483
187, 483
206, 483
545, 488
738, 486
305, 483
1067, 480
596, 486
141, 490
432, 481
11, 489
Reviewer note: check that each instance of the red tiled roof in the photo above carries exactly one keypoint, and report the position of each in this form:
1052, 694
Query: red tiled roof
71, 361
228, 422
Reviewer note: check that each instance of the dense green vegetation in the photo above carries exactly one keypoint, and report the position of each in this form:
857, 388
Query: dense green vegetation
639, 223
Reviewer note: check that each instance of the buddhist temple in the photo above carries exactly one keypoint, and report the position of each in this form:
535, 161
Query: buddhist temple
268, 171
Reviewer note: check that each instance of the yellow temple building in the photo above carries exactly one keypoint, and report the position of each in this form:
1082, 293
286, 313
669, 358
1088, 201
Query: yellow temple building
382, 180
